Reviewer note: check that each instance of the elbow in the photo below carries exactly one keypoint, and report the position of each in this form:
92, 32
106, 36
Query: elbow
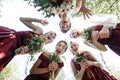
103, 49
31, 71
21, 19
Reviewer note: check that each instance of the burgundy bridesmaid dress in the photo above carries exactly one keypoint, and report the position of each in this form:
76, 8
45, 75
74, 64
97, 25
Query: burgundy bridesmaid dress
10, 40
44, 64
97, 72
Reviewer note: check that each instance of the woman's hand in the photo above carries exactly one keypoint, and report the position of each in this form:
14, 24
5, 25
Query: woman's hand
104, 32
50, 67
24, 49
83, 64
88, 63
95, 36
44, 22
55, 65
86, 12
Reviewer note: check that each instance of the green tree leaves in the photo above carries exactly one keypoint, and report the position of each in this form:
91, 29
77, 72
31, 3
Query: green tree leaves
104, 7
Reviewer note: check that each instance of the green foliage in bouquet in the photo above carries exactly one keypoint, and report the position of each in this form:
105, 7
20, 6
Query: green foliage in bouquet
51, 7
87, 34
80, 58
35, 44
54, 58
46, 5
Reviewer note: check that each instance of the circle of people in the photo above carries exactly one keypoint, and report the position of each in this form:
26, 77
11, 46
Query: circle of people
48, 65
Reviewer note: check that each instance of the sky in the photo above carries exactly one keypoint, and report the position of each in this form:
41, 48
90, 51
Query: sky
11, 12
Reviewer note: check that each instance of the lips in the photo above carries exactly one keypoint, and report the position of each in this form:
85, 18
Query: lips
58, 51
64, 21
48, 37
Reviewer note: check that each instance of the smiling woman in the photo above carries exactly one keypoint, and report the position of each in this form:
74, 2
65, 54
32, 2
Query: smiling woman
15, 9
48, 66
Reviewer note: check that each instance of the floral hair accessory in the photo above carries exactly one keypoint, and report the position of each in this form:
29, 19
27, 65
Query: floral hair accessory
52, 7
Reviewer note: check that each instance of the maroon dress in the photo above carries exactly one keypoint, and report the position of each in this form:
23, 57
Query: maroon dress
97, 72
10, 40
44, 64
113, 41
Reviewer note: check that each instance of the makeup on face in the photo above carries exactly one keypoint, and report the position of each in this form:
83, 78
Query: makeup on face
74, 46
49, 37
60, 48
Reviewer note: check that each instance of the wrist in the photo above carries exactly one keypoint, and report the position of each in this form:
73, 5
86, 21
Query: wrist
82, 69
83, 2
40, 20
93, 63
94, 41
48, 70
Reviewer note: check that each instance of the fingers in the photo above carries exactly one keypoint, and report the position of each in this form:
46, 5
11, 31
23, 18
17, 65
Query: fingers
104, 34
84, 63
24, 49
50, 67
87, 13
44, 22
53, 66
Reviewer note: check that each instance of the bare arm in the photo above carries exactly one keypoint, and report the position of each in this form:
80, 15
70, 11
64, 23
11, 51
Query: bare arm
104, 32
57, 72
36, 70
95, 36
28, 22
78, 74
93, 63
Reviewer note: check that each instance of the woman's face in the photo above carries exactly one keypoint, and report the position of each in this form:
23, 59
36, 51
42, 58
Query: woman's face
75, 33
61, 47
74, 46
49, 37
65, 23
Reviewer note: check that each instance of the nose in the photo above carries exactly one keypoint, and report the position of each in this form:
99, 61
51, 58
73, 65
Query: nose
52, 36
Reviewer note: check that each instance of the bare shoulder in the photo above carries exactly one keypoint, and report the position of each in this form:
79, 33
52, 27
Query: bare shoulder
45, 53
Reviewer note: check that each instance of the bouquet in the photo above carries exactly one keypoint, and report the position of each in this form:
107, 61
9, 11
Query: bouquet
87, 34
52, 7
80, 58
54, 57
88, 69
35, 45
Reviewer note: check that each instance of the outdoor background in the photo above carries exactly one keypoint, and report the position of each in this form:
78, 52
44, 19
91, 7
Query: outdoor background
18, 68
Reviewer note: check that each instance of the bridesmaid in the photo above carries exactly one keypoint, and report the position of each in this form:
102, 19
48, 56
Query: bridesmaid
86, 67
10, 39
65, 23
43, 68
103, 35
